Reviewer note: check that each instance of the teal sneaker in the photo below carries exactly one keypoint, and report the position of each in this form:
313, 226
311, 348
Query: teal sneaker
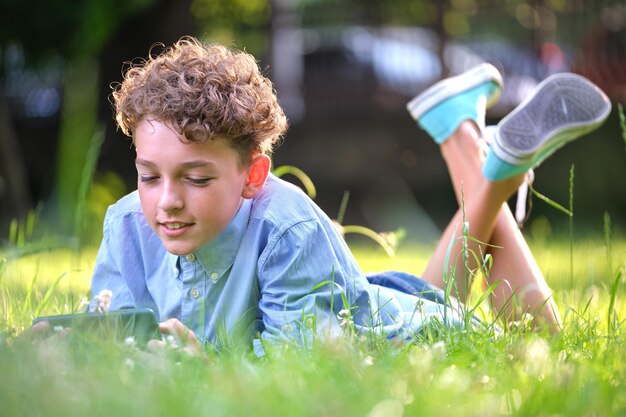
562, 108
441, 108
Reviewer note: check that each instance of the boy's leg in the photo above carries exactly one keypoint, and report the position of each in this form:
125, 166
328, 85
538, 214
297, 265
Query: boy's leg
562, 108
513, 262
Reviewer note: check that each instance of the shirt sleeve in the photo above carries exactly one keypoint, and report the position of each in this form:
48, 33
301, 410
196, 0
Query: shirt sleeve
304, 280
107, 275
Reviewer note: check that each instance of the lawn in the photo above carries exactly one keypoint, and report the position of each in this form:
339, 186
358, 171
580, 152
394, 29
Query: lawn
580, 372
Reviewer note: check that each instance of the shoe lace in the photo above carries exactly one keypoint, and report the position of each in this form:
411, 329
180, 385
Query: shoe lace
522, 198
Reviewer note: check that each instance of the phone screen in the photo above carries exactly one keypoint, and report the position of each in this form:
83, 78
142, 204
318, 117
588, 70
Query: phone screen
142, 324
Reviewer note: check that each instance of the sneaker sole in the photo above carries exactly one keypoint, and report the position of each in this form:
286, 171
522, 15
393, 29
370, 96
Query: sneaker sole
452, 86
564, 107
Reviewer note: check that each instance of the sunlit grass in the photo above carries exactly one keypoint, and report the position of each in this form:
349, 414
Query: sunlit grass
72, 270
48, 282
580, 372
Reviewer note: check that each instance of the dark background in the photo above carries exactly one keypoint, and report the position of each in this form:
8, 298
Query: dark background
343, 70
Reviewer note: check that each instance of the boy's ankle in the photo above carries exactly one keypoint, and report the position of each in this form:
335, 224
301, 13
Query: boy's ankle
466, 134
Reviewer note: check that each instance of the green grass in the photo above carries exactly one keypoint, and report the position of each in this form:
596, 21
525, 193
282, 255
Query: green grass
580, 372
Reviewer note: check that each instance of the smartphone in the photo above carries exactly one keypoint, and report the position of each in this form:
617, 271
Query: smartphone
140, 323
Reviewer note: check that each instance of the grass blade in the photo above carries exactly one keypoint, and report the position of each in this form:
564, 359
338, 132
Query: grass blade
300, 175
48, 294
550, 202
622, 121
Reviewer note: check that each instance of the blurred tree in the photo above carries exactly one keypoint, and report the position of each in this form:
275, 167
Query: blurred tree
68, 28
237, 23
74, 31
163, 23
602, 57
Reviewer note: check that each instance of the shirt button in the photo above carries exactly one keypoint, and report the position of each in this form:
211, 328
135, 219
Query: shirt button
194, 293
175, 271
214, 276
191, 257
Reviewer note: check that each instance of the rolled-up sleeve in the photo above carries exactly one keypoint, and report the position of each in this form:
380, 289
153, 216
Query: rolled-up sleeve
302, 282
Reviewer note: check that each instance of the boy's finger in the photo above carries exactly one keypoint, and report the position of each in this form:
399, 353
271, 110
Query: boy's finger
36, 332
156, 346
173, 327
181, 333
177, 329
39, 328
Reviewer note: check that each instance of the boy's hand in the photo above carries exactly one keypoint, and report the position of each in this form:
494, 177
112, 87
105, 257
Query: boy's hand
180, 335
42, 331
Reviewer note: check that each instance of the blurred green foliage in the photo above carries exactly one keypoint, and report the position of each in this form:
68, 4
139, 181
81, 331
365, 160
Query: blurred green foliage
75, 32
237, 23
64, 27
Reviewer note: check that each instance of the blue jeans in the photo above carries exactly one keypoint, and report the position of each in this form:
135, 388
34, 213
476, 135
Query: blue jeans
408, 284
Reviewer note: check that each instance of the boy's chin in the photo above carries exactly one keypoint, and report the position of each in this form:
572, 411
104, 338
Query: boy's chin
179, 248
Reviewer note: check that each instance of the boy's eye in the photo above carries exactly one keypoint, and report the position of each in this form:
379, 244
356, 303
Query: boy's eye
147, 178
199, 181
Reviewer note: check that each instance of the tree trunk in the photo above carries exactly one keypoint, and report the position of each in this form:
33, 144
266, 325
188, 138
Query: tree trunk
15, 200
78, 126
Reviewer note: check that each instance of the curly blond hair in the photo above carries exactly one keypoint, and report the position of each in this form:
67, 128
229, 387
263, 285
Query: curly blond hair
205, 91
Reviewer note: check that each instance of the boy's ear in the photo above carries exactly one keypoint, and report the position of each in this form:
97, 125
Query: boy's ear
257, 175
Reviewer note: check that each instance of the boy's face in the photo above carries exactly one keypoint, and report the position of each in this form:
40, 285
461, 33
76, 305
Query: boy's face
189, 192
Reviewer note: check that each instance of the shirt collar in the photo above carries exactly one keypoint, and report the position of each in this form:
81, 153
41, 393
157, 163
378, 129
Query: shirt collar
219, 254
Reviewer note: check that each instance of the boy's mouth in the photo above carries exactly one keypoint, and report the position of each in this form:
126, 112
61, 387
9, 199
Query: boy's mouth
174, 229
174, 225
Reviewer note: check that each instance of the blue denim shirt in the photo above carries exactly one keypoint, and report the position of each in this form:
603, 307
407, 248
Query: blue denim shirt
279, 270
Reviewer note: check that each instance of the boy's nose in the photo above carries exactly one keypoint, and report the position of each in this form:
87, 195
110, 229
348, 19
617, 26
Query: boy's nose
171, 199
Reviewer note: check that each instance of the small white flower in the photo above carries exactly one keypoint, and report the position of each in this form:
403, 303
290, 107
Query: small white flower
387, 407
537, 357
130, 341
345, 319
129, 363
439, 349
171, 342
523, 324
101, 302
368, 360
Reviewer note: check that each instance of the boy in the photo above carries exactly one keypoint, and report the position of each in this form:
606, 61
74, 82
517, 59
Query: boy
218, 246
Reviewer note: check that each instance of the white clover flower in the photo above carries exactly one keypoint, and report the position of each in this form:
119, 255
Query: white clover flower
537, 357
368, 361
345, 319
387, 408
400, 391
439, 349
101, 302
130, 341
129, 363
171, 342
523, 324
287, 329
